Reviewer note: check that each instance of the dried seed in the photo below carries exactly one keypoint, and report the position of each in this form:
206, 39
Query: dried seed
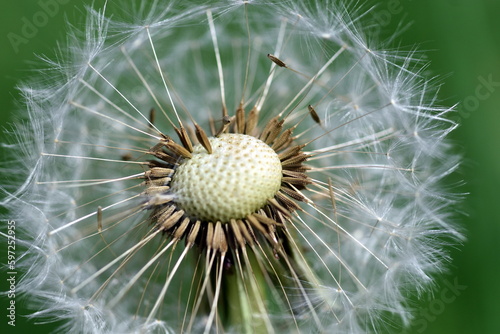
172, 220
203, 139
276, 60
191, 239
219, 241
184, 137
178, 149
99, 219
179, 232
314, 114
152, 116
252, 119
151, 191
237, 233
240, 119
158, 172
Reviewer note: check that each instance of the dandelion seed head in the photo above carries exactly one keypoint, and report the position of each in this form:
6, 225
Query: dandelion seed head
242, 166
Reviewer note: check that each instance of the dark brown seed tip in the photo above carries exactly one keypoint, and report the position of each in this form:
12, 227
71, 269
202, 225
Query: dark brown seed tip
203, 139
314, 114
276, 60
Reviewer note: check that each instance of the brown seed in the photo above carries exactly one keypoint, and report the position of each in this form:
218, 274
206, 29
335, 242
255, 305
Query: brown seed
179, 232
278, 206
293, 194
244, 231
157, 148
169, 222
255, 223
274, 132
157, 182
165, 211
314, 114
99, 219
203, 139
287, 202
265, 219
168, 158
191, 239
272, 123
252, 119
276, 60
296, 174
292, 160
240, 119
158, 172
219, 241
294, 150
127, 157
237, 233
155, 190
152, 114
294, 180
184, 137
280, 142
177, 149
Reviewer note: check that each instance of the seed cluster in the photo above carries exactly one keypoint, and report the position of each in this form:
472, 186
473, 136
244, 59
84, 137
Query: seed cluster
232, 182
229, 189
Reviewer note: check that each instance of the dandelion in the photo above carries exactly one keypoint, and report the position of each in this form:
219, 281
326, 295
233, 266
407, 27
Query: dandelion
234, 167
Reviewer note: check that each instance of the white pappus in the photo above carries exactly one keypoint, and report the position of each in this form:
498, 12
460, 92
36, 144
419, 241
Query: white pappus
235, 166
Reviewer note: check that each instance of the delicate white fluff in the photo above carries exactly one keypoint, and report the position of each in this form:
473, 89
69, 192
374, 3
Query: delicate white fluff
377, 232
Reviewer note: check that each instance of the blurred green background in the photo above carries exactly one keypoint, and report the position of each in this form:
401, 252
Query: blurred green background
463, 43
